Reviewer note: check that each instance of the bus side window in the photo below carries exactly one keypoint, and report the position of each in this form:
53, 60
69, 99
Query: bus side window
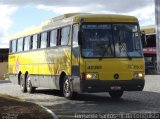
75, 35
13, 46
34, 41
65, 34
20, 45
75, 40
27, 43
53, 38
43, 43
10, 47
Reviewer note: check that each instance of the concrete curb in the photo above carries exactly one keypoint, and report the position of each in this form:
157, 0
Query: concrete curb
49, 111
5, 81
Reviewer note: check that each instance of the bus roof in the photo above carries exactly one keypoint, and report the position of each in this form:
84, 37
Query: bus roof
148, 29
70, 18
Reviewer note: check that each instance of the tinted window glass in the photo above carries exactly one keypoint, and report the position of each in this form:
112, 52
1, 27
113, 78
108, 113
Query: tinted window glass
53, 38
44, 40
65, 35
127, 40
75, 40
20, 45
75, 35
97, 40
111, 40
34, 41
26, 43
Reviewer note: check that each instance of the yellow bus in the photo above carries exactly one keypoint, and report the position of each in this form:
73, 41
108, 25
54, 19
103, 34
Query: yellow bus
79, 53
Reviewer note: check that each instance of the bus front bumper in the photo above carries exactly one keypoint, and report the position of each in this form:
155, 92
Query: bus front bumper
92, 86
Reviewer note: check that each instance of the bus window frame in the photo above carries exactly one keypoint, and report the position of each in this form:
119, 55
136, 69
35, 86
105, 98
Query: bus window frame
10, 46
59, 37
48, 38
114, 55
58, 40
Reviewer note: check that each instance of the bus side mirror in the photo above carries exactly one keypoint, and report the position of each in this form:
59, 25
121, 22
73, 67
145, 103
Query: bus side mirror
80, 37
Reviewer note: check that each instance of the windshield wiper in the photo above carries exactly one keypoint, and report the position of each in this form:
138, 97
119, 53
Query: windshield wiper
129, 57
104, 51
138, 51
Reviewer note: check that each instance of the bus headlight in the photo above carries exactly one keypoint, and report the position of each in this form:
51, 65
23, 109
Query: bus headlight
138, 75
91, 76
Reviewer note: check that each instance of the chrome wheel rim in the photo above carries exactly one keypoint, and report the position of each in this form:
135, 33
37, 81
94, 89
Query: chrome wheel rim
66, 88
22, 84
28, 83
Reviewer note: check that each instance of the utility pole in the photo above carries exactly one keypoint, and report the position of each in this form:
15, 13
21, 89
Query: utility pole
157, 18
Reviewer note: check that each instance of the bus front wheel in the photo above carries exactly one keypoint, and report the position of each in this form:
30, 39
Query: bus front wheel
116, 94
67, 91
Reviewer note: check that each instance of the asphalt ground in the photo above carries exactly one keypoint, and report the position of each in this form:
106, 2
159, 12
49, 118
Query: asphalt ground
139, 104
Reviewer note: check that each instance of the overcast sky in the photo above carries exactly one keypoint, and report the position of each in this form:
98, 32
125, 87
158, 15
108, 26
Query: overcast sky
18, 15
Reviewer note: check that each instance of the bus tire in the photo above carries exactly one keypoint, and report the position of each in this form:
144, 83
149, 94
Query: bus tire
116, 94
23, 84
67, 91
30, 88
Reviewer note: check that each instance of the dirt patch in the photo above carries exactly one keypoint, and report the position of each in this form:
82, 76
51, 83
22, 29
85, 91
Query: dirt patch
14, 108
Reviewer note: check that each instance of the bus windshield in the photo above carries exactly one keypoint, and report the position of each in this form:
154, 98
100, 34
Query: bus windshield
111, 40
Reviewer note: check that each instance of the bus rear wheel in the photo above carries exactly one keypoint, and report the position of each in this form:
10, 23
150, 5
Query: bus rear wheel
67, 91
23, 84
116, 94
30, 88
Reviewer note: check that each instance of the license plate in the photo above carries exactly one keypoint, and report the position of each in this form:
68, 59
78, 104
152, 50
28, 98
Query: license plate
115, 88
